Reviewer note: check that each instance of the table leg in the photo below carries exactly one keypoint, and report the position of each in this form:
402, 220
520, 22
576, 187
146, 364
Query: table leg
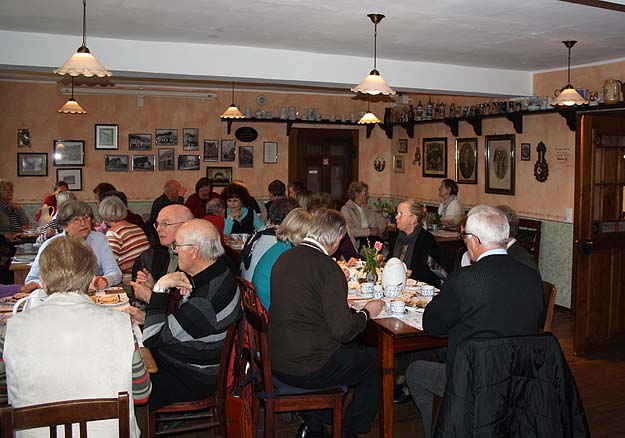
142, 414
386, 361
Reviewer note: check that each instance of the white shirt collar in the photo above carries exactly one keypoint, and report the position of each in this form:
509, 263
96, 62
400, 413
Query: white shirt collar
496, 251
316, 244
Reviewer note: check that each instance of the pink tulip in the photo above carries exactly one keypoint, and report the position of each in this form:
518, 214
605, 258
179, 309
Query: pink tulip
378, 246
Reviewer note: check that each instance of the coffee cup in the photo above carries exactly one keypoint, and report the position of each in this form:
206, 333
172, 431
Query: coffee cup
398, 306
391, 291
366, 288
378, 291
36, 297
427, 291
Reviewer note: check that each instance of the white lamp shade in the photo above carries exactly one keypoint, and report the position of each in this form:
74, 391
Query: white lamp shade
72, 107
232, 113
374, 84
368, 118
569, 97
83, 63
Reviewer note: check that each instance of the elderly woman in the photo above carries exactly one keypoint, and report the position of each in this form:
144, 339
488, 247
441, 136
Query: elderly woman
415, 245
240, 218
203, 193
12, 216
76, 219
50, 229
68, 347
362, 219
127, 240
450, 210
290, 233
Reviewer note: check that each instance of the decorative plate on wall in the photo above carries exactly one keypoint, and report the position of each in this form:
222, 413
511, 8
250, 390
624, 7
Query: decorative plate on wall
246, 134
261, 100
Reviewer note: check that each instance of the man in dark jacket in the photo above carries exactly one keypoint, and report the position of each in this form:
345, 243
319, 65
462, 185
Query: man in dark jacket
495, 297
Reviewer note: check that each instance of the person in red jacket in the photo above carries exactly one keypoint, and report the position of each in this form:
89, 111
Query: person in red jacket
203, 193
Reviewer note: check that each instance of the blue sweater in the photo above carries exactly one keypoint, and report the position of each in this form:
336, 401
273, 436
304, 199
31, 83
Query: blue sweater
262, 273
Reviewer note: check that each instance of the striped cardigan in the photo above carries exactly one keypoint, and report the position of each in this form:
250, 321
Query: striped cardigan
127, 242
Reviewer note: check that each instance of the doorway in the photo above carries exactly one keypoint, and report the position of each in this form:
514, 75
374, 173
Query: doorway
325, 160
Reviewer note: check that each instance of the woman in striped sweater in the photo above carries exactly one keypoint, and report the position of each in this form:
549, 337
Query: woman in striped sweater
127, 240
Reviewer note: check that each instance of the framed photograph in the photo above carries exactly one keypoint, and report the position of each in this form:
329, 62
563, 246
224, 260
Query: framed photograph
73, 178
140, 142
221, 176
191, 139
32, 164
106, 136
500, 164
116, 163
466, 160
188, 162
166, 159
227, 150
143, 163
402, 146
211, 150
398, 164
69, 152
435, 157
270, 152
23, 138
166, 137
246, 156
526, 153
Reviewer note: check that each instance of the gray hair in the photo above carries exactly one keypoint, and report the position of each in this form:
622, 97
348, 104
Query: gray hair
216, 206
205, 237
513, 219
294, 227
489, 224
72, 209
63, 197
415, 208
112, 209
355, 188
327, 225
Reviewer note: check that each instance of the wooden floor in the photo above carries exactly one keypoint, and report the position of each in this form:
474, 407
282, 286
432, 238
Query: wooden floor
600, 379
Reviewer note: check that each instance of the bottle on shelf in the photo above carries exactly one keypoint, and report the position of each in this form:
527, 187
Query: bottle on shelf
429, 109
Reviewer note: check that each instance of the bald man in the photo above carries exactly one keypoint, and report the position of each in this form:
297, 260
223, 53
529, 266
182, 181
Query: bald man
187, 344
173, 193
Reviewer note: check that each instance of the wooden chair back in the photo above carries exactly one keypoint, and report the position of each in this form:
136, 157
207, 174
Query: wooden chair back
550, 292
67, 413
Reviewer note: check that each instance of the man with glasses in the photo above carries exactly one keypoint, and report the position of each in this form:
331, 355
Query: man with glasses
495, 297
187, 344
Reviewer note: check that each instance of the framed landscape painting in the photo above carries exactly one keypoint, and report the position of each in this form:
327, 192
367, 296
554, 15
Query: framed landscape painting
32, 164
73, 178
500, 164
221, 176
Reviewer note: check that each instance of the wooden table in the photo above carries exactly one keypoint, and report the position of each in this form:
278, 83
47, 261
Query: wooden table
21, 270
392, 336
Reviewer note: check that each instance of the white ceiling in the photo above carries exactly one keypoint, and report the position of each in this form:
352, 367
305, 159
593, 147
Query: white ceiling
500, 34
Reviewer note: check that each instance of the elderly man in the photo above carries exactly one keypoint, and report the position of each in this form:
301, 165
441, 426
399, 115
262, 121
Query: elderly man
515, 249
76, 220
495, 297
173, 193
186, 345
312, 330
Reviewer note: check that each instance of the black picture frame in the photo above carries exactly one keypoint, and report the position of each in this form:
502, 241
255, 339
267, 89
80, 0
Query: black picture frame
72, 176
188, 162
211, 150
166, 159
402, 146
32, 164
116, 163
500, 169
191, 139
68, 152
220, 176
228, 151
246, 156
106, 136
435, 157
526, 151
166, 137
466, 160
140, 142
143, 163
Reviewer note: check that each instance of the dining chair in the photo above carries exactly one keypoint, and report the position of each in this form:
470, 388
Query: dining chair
205, 414
65, 414
276, 396
550, 292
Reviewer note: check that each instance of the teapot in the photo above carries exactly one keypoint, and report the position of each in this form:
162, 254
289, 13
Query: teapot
45, 214
36, 297
612, 91
394, 273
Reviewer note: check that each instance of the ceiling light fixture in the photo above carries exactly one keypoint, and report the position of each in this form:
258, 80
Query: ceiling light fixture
568, 95
232, 112
368, 117
374, 83
71, 106
83, 62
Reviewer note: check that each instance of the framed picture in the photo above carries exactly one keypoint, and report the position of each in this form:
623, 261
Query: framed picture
166, 159
211, 150
116, 163
69, 152
143, 163
270, 152
435, 157
526, 151
32, 164
140, 142
466, 160
188, 162
227, 150
106, 136
246, 156
166, 137
73, 178
500, 164
402, 146
23, 138
398, 164
221, 176
191, 139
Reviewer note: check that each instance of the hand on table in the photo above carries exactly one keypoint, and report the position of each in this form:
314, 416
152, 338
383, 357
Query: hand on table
99, 283
50, 232
374, 307
145, 277
351, 262
141, 291
136, 315
28, 288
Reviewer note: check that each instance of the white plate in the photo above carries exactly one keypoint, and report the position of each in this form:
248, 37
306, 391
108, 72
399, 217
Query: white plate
414, 309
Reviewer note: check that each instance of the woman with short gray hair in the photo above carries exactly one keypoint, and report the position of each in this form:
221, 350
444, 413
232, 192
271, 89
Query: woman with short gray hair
363, 222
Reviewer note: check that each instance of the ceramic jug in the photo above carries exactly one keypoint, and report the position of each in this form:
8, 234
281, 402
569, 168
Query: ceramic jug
612, 91
36, 297
394, 273
46, 213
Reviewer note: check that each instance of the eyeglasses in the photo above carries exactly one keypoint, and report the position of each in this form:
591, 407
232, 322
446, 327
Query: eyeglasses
77, 219
165, 224
401, 213
174, 246
463, 235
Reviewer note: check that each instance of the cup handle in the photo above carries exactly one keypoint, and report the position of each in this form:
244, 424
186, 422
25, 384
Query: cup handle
19, 302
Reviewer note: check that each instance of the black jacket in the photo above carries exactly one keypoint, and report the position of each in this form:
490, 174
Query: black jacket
511, 387
424, 246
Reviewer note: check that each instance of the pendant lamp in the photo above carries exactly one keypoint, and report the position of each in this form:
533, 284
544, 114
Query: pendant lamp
71, 106
232, 112
368, 117
569, 96
83, 62
374, 83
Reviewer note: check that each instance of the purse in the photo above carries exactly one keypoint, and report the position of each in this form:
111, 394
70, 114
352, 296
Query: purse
239, 421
